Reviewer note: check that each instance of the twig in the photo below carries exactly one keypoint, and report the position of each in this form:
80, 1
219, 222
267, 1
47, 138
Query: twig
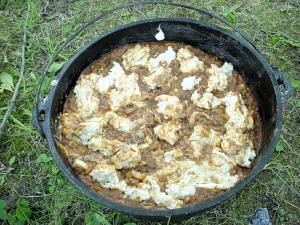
291, 204
35, 196
16, 91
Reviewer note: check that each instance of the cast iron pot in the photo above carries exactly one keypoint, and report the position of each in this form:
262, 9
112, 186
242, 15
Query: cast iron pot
271, 89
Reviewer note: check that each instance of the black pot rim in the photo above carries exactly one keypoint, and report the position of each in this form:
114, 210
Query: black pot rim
189, 210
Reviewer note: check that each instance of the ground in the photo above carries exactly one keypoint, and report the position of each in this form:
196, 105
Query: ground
34, 191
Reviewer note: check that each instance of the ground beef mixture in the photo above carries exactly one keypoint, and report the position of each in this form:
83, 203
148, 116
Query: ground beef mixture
160, 125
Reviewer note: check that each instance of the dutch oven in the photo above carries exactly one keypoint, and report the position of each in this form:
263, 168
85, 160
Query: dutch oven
270, 87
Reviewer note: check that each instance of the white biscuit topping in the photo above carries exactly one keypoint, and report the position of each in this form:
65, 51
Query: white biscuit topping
103, 84
169, 106
119, 123
172, 155
128, 156
86, 98
167, 131
160, 77
104, 146
203, 138
188, 62
237, 112
218, 79
91, 128
107, 176
127, 92
160, 73
136, 56
163, 59
206, 101
188, 83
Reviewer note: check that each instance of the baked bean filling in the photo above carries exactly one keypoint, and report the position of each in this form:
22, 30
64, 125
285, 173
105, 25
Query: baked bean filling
160, 125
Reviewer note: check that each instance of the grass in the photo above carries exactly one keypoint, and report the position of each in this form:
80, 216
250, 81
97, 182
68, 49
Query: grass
34, 191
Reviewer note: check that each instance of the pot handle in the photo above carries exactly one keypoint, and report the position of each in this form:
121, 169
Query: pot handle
284, 84
39, 109
39, 113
